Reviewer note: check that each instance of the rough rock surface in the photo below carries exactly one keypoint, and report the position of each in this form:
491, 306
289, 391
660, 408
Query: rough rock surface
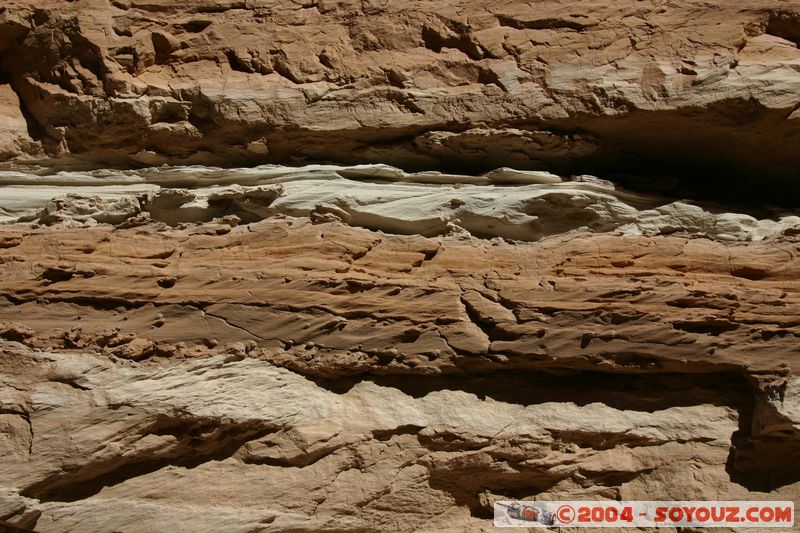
334, 378
345, 266
637, 87
506, 203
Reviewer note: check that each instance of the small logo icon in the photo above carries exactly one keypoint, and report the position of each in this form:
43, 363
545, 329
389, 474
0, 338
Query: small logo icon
529, 513
565, 514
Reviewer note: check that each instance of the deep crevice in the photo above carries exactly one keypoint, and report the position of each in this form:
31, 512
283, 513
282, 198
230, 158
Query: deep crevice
235, 63
462, 42
197, 441
752, 457
543, 24
194, 26
784, 24
640, 392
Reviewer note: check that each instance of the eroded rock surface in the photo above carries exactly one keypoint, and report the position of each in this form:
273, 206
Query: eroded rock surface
507, 203
334, 378
360, 265
633, 87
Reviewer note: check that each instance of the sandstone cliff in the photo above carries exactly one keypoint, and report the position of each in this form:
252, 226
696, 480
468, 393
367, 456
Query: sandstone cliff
338, 265
300, 377
682, 90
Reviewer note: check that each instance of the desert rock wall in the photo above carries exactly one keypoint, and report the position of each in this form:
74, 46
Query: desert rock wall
627, 88
328, 377
365, 266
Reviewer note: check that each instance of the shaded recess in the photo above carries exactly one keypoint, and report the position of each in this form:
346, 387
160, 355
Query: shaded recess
731, 150
196, 441
756, 460
784, 24
736, 152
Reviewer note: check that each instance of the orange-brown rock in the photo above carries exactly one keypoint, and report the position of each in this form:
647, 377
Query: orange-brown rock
364, 266
324, 375
352, 301
703, 92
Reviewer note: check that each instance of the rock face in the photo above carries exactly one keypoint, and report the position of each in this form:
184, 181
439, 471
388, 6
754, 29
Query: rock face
334, 378
506, 203
631, 87
339, 265
14, 137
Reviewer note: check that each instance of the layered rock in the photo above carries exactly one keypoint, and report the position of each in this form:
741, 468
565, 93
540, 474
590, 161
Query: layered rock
287, 454
330, 377
339, 265
506, 203
707, 89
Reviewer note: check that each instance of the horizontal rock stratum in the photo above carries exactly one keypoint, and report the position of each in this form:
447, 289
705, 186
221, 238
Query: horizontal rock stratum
365, 266
506, 203
334, 378
687, 89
